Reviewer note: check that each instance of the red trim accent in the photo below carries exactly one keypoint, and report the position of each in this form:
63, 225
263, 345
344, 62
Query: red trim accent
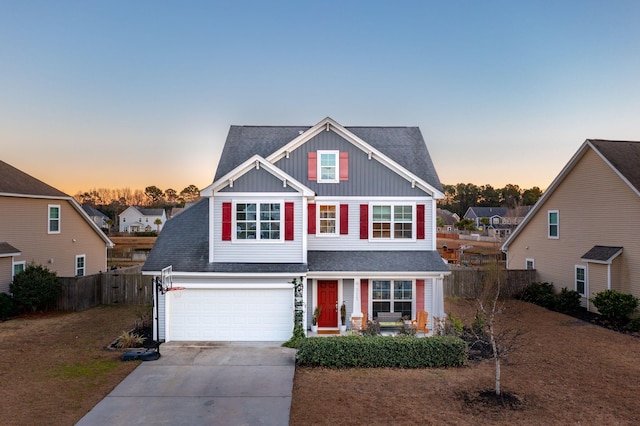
344, 166
364, 221
311, 219
419, 295
364, 296
288, 221
344, 219
312, 166
226, 221
420, 221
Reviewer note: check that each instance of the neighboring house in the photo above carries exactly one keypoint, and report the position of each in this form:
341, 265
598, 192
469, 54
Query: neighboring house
97, 216
449, 219
493, 214
569, 236
350, 210
43, 225
138, 219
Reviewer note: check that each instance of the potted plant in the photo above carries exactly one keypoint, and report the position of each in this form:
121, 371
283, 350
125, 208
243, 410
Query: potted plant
314, 320
343, 317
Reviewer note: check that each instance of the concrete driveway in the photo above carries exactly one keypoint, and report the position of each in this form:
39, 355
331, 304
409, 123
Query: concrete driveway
204, 384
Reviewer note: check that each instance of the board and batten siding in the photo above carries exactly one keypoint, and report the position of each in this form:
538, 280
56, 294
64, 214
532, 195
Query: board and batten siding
352, 241
257, 180
247, 251
24, 225
595, 208
366, 177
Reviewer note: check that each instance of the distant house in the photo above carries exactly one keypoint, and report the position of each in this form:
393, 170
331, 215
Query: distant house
138, 219
569, 236
97, 216
449, 219
43, 225
493, 214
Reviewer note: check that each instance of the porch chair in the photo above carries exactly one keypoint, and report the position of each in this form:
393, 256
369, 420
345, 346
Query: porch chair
420, 324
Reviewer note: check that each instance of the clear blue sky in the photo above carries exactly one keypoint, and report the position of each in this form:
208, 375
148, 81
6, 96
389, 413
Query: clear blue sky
136, 93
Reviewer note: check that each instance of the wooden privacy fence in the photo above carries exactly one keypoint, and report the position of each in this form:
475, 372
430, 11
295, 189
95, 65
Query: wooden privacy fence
123, 286
465, 283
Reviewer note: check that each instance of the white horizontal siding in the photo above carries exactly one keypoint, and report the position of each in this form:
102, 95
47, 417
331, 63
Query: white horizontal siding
258, 251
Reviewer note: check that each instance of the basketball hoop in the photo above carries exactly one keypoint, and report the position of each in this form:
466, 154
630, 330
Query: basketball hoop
176, 291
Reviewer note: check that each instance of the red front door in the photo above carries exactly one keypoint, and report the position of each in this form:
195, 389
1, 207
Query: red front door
328, 299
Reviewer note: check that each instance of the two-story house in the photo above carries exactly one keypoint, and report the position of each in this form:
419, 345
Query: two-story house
44, 225
349, 210
139, 219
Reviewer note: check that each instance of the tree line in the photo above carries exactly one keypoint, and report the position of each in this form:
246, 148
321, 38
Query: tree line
459, 197
114, 201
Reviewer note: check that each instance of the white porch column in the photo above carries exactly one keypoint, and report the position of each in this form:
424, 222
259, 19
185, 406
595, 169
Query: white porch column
356, 313
438, 303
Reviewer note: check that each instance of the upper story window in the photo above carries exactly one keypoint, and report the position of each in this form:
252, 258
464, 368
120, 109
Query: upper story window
328, 166
328, 219
80, 265
258, 221
553, 224
392, 222
54, 219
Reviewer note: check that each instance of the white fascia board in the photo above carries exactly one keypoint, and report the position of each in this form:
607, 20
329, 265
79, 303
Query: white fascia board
362, 145
250, 164
16, 254
178, 274
44, 197
376, 274
254, 285
550, 189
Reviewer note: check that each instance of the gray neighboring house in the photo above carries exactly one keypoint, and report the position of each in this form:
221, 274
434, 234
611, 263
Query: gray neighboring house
449, 219
99, 218
493, 214
349, 210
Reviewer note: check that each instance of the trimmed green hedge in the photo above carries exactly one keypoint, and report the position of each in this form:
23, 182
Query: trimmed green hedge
382, 351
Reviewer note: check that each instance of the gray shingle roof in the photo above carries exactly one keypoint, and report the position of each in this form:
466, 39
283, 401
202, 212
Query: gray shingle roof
404, 145
485, 212
602, 253
376, 261
14, 181
7, 249
624, 156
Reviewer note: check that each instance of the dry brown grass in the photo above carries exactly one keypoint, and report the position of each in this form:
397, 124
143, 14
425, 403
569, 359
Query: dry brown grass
54, 368
566, 372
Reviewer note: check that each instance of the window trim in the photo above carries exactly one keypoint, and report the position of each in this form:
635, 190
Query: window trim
13, 267
392, 299
336, 156
575, 279
58, 219
557, 224
84, 265
526, 263
414, 221
234, 217
336, 232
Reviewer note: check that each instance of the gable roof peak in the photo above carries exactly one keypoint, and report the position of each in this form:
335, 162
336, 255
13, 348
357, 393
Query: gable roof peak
15, 181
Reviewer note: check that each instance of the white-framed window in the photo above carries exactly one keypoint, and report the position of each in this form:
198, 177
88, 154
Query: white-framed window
328, 166
124, 219
581, 280
53, 219
80, 265
18, 267
392, 296
258, 221
553, 224
327, 224
392, 221
530, 264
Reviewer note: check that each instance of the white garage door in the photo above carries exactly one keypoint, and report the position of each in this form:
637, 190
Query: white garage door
230, 315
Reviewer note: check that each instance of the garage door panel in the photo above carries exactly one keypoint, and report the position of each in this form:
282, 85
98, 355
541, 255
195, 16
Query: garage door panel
231, 315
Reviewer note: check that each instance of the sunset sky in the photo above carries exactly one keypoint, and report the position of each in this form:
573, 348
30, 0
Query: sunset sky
135, 93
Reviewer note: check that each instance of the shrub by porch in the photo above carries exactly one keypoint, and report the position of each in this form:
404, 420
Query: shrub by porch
382, 351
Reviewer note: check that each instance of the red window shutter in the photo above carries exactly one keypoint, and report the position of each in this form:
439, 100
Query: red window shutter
288, 221
420, 221
311, 219
344, 166
364, 221
226, 221
312, 165
364, 296
344, 219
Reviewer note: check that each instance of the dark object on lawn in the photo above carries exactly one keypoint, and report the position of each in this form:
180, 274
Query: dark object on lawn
141, 354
